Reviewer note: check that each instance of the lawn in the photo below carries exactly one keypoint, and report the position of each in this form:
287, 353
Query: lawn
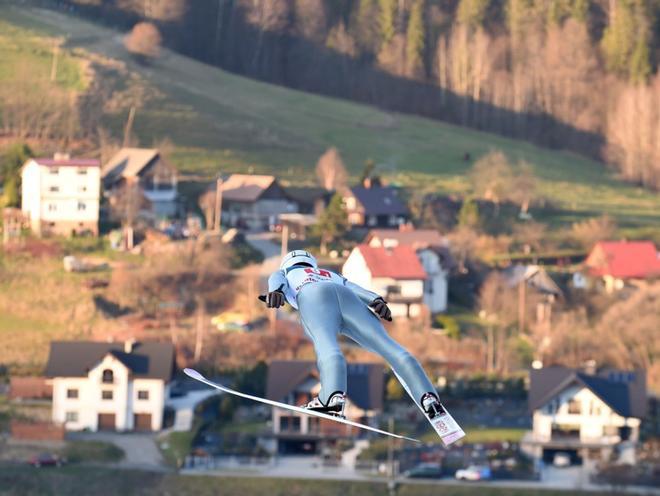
77, 481
484, 435
219, 121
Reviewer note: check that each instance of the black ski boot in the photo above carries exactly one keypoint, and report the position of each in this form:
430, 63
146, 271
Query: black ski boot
334, 407
431, 405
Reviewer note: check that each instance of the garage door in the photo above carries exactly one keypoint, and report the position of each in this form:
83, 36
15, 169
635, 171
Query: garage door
106, 421
142, 422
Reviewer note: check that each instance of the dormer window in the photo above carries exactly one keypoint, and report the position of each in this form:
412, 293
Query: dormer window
108, 376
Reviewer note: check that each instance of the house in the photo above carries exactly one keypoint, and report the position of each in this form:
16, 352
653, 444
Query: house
60, 195
433, 253
394, 273
374, 206
534, 278
296, 382
110, 386
252, 201
621, 263
589, 415
155, 177
310, 200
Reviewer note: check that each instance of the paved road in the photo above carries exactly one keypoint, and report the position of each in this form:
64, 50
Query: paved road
264, 242
140, 450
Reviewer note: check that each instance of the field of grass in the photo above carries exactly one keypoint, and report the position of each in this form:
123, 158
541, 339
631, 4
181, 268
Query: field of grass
92, 451
485, 435
77, 481
218, 121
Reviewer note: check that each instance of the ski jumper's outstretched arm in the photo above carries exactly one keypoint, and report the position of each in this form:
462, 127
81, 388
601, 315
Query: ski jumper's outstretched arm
374, 300
277, 289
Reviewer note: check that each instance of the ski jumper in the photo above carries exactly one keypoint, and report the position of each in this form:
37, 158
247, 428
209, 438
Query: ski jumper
329, 305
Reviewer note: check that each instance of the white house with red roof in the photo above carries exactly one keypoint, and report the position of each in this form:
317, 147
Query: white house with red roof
619, 263
394, 273
432, 250
60, 195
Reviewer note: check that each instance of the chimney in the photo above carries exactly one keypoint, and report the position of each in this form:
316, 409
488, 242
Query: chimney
590, 367
61, 156
129, 344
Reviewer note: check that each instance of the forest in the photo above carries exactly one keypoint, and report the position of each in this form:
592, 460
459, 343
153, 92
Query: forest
570, 74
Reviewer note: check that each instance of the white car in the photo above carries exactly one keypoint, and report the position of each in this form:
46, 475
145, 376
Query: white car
473, 473
562, 460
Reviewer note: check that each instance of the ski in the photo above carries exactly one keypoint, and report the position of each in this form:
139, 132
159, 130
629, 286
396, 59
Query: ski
444, 424
199, 377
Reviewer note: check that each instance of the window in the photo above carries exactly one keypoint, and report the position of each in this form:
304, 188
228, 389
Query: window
106, 395
72, 393
575, 407
82, 189
52, 207
143, 395
82, 171
54, 171
71, 416
81, 206
54, 189
108, 376
290, 423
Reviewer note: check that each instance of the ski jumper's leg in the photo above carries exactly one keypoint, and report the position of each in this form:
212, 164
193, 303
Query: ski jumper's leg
363, 327
321, 318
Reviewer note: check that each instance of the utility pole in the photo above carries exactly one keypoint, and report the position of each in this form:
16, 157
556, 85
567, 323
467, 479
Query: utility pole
391, 484
218, 205
129, 126
521, 304
285, 240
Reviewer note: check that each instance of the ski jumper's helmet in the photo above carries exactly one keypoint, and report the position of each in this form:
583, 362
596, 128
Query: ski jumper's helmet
298, 256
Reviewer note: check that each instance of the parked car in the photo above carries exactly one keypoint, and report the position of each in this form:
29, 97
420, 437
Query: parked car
473, 473
424, 471
562, 460
46, 460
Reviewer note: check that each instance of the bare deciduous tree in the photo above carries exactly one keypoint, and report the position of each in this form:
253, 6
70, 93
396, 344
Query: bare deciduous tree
144, 40
588, 232
492, 177
330, 170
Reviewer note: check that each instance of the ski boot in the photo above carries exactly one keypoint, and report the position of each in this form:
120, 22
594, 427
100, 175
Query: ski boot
432, 406
334, 407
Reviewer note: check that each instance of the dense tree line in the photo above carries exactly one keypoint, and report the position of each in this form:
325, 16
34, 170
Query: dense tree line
563, 73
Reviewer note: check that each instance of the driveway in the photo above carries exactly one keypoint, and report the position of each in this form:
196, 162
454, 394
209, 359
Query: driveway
265, 243
140, 450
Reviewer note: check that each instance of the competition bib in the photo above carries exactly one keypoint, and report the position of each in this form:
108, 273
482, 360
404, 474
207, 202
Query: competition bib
300, 277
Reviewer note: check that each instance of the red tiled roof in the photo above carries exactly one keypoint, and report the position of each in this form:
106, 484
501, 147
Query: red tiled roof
72, 162
399, 262
624, 259
417, 238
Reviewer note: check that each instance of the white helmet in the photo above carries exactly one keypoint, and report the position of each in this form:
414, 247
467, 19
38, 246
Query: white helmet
297, 256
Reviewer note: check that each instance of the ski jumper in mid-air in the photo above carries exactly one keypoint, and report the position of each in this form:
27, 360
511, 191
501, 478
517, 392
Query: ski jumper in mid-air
330, 305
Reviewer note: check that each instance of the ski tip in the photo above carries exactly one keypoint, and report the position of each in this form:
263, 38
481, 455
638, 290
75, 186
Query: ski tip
193, 373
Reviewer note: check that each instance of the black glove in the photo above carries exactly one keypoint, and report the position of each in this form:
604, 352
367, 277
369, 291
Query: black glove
275, 299
382, 310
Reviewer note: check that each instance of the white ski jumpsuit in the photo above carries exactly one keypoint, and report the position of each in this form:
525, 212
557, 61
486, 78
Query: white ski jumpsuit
328, 305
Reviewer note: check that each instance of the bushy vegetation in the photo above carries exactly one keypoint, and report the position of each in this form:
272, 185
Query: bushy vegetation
91, 451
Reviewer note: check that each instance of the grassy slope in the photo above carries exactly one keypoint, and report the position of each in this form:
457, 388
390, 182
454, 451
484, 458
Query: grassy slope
220, 121
74, 481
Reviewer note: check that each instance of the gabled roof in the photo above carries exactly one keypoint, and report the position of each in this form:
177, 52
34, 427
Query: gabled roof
149, 360
245, 187
365, 381
625, 397
534, 275
624, 259
67, 162
379, 200
400, 262
416, 238
307, 195
128, 162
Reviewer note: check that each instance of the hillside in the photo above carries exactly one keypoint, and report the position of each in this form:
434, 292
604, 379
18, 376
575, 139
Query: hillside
218, 121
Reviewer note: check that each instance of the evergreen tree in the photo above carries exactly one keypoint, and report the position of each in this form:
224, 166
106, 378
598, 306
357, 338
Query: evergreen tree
626, 40
640, 64
10, 171
415, 39
386, 20
468, 215
332, 223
